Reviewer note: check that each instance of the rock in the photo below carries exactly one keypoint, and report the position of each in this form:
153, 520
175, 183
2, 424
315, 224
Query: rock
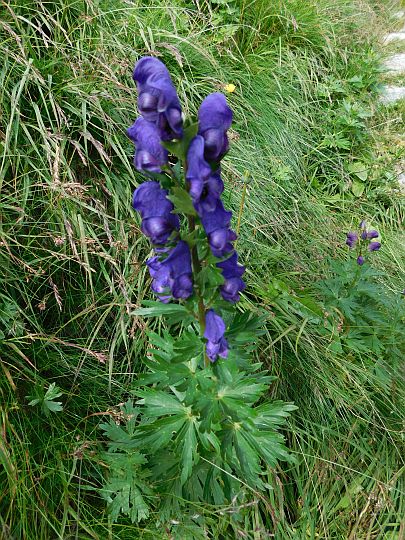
396, 63
394, 36
391, 94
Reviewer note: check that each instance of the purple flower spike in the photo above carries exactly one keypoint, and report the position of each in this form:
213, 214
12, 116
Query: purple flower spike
372, 234
157, 98
351, 239
217, 345
374, 246
150, 154
172, 277
205, 186
360, 260
214, 118
198, 170
158, 223
364, 234
232, 272
216, 226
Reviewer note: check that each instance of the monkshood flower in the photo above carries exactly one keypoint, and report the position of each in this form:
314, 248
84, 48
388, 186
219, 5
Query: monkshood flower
351, 239
367, 235
214, 332
150, 154
157, 97
158, 222
363, 241
214, 119
374, 246
172, 276
205, 186
232, 272
216, 226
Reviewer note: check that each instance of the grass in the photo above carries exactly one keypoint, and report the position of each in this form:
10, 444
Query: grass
72, 256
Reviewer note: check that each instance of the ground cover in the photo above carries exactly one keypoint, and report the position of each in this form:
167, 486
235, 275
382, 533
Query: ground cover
315, 152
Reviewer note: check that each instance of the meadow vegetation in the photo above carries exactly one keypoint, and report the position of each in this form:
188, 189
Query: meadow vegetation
313, 151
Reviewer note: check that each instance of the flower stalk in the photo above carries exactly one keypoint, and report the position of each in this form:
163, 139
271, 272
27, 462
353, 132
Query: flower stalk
177, 271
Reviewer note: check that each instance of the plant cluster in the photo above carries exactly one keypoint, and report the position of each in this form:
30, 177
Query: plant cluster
364, 318
72, 264
201, 429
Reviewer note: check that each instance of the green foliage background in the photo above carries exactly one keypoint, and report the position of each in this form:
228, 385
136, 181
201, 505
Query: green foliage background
318, 154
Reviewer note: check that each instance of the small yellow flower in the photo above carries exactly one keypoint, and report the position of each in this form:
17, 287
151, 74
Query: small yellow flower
230, 88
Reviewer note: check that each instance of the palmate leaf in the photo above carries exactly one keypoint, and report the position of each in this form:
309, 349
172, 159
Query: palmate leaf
177, 427
161, 347
189, 455
272, 415
47, 400
188, 346
348, 307
159, 403
121, 435
155, 309
126, 487
160, 433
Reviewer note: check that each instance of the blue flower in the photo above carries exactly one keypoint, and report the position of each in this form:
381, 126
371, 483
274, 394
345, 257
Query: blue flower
157, 97
372, 234
216, 226
205, 186
150, 154
214, 332
351, 240
360, 260
214, 119
232, 272
198, 170
374, 246
172, 276
158, 222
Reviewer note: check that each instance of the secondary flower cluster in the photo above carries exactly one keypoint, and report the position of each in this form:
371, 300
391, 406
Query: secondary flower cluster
206, 186
361, 240
161, 120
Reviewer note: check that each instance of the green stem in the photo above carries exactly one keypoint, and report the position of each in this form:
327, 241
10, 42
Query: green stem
357, 273
196, 269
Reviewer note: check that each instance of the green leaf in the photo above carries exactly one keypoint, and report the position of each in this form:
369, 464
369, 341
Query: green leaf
358, 169
126, 487
182, 201
155, 309
189, 133
53, 392
188, 455
357, 188
159, 434
179, 148
53, 406
47, 400
160, 403
176, 148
